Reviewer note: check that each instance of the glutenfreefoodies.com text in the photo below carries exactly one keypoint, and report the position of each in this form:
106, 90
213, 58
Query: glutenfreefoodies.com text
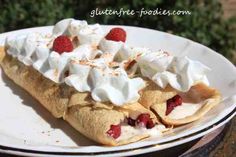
142, 12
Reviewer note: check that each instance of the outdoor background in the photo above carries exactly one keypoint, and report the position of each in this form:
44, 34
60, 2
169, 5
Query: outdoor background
212, 22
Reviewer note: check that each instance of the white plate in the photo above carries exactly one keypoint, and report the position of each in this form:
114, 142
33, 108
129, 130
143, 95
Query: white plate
27, 128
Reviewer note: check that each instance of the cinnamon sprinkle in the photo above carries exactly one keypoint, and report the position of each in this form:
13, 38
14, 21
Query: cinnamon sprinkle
94, 46
56, 72
130, 64
75, 41
113, 64
166, 53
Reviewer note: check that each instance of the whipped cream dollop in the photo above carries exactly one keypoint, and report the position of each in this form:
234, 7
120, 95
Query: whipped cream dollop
110, 47
24, 46
99, 66
104, 83
179, 72
86, 34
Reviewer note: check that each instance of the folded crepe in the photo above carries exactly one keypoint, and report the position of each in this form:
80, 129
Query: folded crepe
196, 102
92, 119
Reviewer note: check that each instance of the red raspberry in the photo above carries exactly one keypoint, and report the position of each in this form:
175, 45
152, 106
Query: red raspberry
172, 103
67, 73
62, 44
116, 34
177, 99
131, 121
144, 120
150, 124
114, 131
169, 101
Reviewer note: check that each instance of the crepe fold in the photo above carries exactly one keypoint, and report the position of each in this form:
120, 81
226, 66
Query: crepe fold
92, 119
155, 99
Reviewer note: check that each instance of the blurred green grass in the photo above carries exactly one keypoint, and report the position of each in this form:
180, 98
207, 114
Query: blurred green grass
205, 25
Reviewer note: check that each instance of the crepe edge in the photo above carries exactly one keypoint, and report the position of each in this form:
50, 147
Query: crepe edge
209, 103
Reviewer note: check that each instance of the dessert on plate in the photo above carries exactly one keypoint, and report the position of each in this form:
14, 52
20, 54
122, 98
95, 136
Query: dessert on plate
109, 91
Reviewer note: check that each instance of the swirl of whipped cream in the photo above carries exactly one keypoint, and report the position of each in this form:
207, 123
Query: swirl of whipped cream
15, 45
104, 83
180, 72
129, 53
24, 47
75, 26
68, 27
28, 49
42, 53
91, 35
117, 87
87, 34
153, 62
109, 46
59, 64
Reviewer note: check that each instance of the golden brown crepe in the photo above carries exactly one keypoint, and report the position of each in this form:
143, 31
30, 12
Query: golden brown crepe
90, 118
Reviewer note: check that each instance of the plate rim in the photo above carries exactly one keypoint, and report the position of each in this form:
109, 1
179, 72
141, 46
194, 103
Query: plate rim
134, 27
135, 151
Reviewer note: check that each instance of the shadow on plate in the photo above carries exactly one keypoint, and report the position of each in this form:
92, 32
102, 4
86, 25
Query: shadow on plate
55, 123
